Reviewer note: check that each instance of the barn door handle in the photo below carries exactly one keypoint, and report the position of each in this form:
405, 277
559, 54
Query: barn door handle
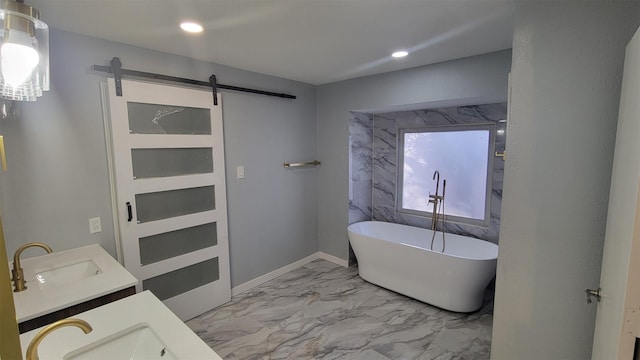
129, 212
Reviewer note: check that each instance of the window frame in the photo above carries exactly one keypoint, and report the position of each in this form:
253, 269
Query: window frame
491, 127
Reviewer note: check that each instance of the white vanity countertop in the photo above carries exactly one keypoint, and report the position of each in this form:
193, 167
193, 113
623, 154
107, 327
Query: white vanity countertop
40, 299
112, 318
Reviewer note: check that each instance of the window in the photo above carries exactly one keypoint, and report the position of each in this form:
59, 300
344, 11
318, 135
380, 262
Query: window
462, 155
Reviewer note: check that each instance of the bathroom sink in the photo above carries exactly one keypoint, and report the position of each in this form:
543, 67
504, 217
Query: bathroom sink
68, 273
134, 343
67, 278
139, 326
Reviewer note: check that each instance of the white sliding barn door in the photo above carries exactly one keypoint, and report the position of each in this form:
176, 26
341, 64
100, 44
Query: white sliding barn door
167, 145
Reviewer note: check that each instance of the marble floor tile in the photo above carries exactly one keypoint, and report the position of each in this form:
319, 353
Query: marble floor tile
325, 311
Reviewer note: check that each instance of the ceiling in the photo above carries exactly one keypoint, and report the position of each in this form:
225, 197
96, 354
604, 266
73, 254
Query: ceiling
312, 41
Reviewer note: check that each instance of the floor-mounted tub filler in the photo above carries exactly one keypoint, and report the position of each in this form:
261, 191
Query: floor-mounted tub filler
397, 257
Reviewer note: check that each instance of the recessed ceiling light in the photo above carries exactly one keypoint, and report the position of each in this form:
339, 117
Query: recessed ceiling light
191, 27
400, 54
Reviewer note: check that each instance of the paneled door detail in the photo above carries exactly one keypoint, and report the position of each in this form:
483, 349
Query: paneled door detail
168, 162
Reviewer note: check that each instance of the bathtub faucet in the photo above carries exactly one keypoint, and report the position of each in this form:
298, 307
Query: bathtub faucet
435, 199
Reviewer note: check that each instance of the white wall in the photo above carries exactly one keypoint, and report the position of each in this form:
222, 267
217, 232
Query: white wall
567, 67
57, 158
483, 78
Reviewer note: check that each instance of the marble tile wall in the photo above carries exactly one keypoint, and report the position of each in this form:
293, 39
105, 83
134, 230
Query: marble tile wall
385, 158
374, 163
360, 170
361, 162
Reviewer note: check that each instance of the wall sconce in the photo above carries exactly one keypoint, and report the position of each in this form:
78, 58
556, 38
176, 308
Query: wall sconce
24, 52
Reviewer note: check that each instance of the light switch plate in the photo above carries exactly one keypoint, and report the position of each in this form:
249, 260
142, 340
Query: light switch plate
240, 172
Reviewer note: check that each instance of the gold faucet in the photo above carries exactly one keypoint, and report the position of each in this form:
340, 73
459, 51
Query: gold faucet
17, 272
32, 350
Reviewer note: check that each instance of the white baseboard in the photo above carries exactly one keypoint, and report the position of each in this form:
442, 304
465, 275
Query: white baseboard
285, 269
272, 275
334, 259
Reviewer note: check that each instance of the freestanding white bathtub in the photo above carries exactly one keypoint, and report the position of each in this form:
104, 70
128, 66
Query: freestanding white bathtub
397, 257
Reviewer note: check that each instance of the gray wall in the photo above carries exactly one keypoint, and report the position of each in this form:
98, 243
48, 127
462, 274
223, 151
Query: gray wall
473, 80
57, 158
567, 66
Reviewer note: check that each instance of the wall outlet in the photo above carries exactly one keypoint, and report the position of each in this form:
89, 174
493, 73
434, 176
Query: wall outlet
95, 226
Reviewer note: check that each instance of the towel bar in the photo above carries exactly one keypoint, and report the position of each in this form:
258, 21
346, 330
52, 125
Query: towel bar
310, 163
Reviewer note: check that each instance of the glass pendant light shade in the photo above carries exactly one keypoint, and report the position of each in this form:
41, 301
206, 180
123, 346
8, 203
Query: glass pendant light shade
24, 52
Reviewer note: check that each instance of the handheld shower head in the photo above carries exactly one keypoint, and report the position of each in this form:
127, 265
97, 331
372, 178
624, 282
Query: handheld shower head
436, 175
